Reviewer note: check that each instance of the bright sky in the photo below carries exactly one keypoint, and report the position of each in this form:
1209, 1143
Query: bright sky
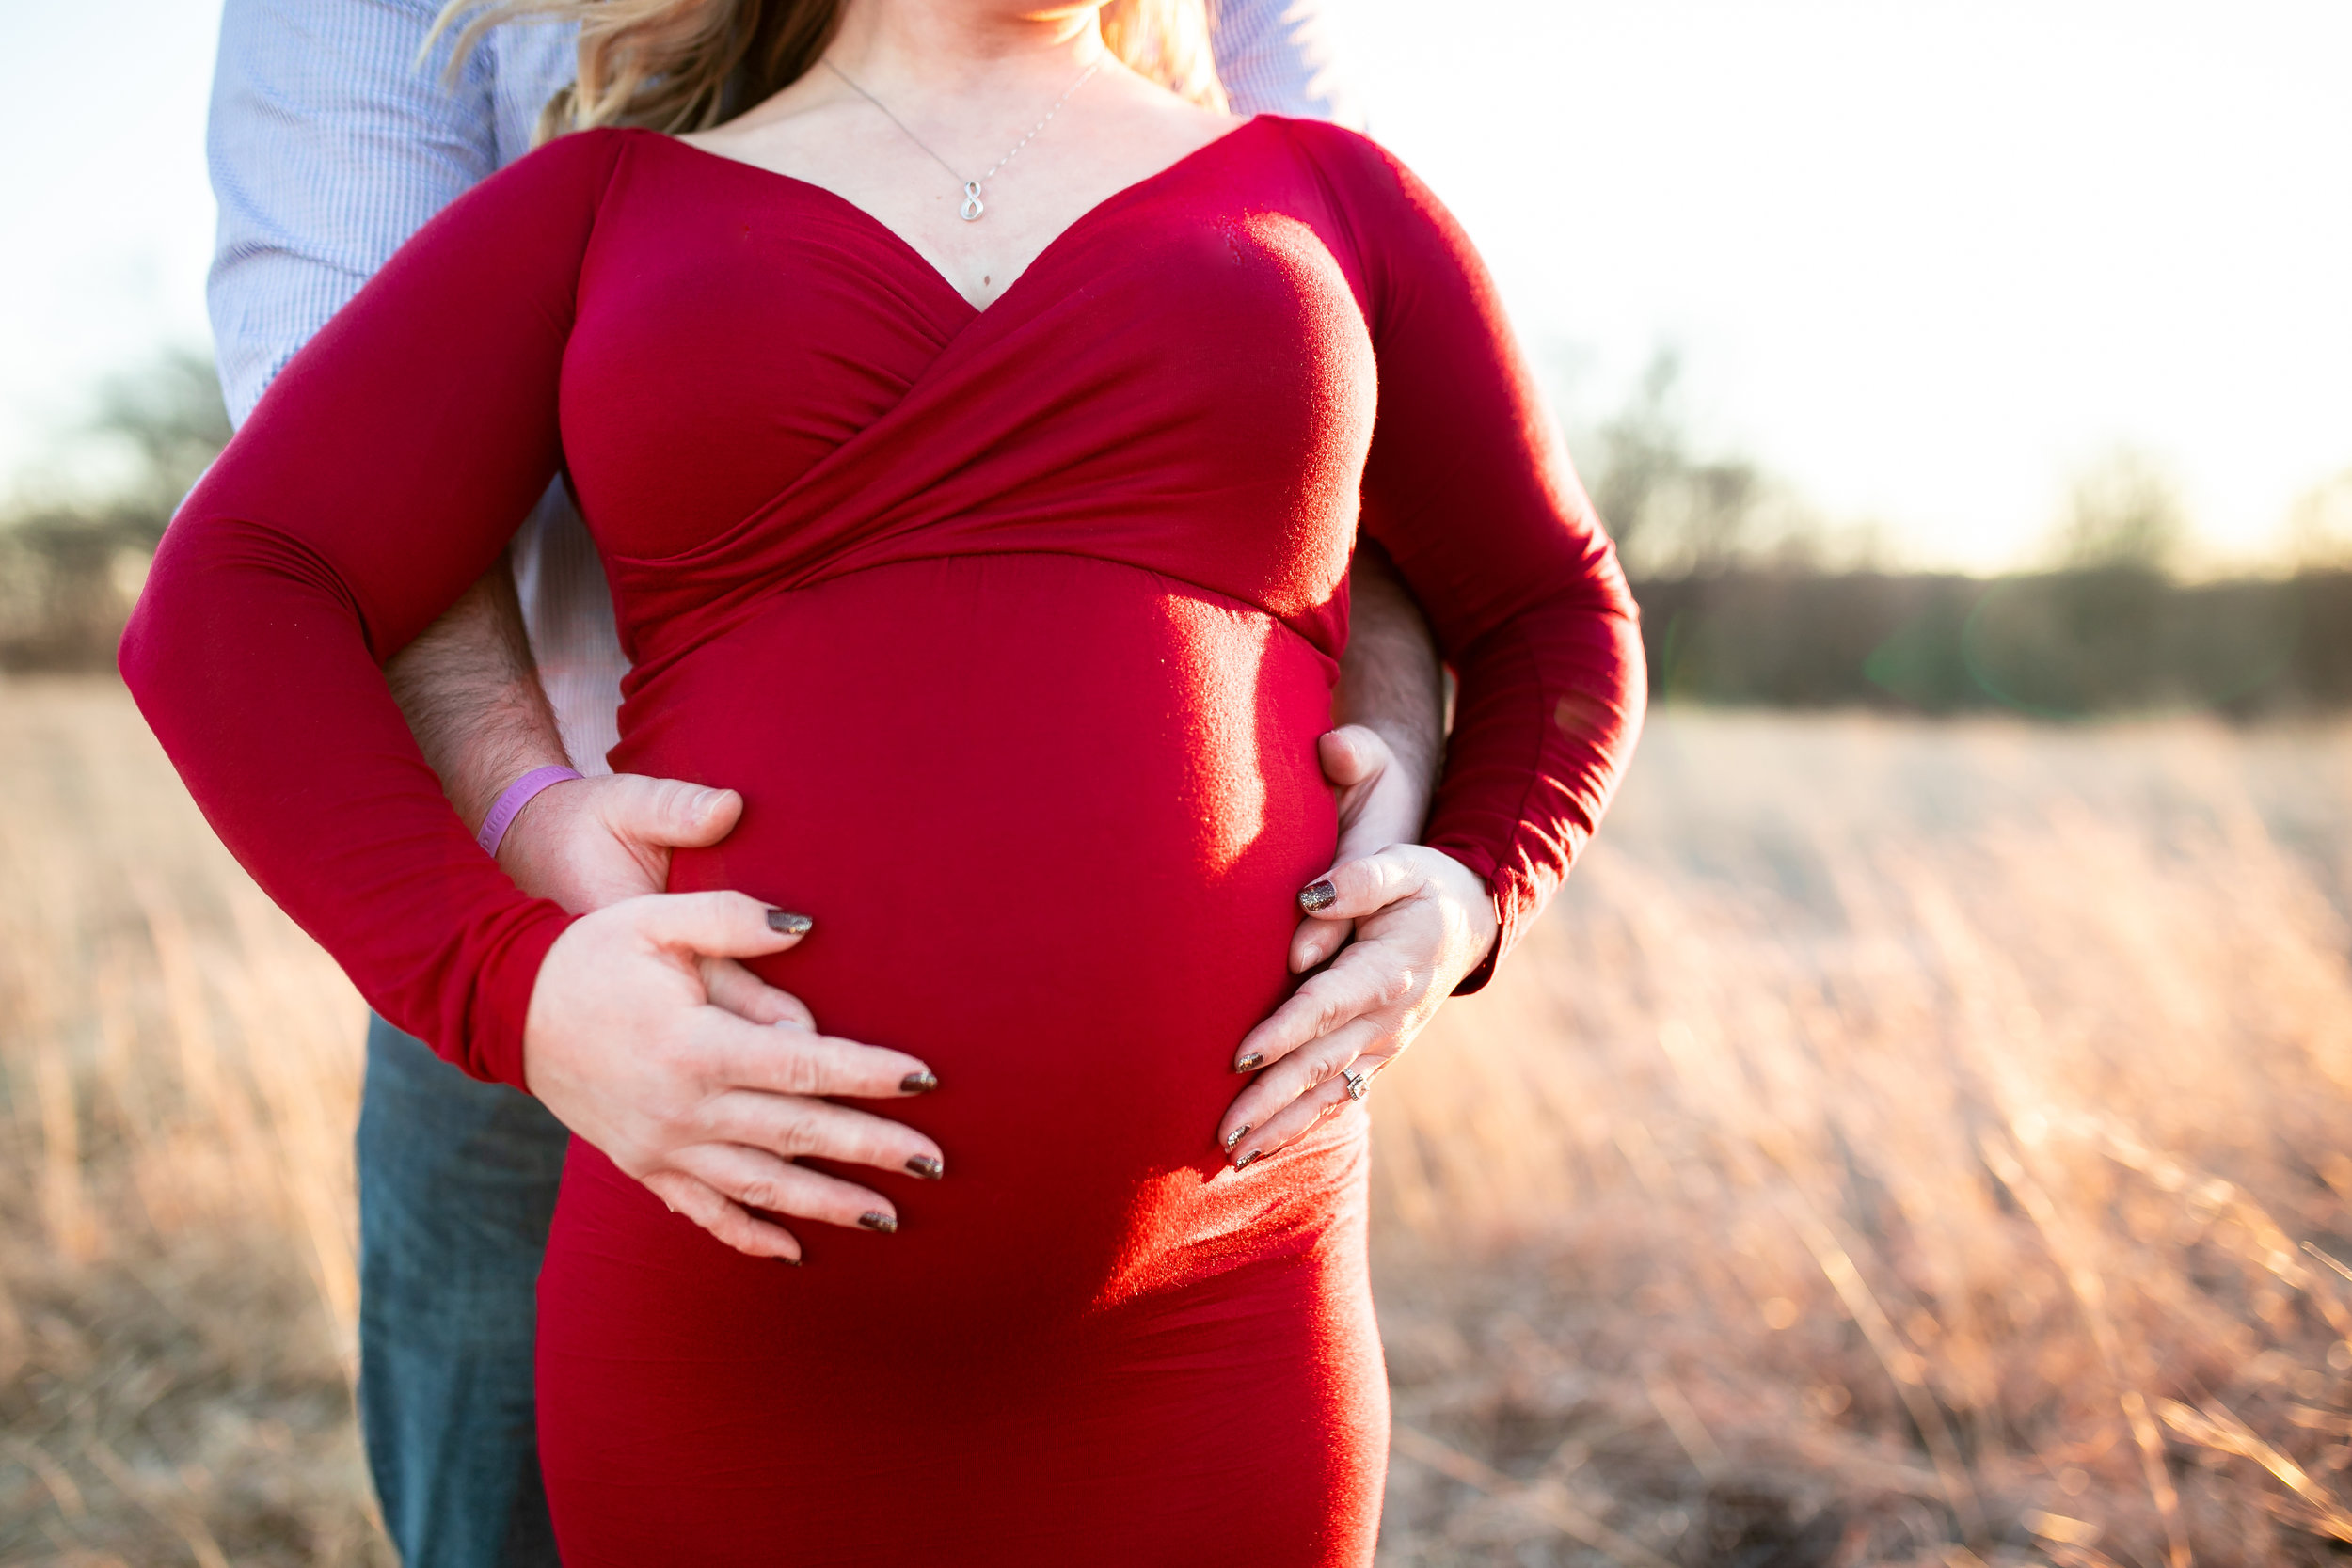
1924, 258
108, 216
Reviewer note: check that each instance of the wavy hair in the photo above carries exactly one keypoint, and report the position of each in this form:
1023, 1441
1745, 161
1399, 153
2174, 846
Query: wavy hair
687, 64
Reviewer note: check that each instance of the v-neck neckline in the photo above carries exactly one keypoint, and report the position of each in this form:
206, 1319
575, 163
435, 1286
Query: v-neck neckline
868, 220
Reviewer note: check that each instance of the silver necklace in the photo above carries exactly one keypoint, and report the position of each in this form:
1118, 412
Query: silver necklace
973, 206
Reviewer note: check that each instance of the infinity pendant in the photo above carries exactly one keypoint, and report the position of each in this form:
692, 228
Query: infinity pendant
970, 210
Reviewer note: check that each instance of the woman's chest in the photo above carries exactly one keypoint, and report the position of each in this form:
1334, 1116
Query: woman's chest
1176, 363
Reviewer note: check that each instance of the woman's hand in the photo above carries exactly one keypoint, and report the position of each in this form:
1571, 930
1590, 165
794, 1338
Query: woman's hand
649, 1039
1422, 921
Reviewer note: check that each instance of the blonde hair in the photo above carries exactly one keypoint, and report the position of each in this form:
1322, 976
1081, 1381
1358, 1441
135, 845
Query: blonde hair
687, 64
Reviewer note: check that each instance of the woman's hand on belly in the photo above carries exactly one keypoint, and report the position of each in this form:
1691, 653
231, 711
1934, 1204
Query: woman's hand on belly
1422, 921
627, 1046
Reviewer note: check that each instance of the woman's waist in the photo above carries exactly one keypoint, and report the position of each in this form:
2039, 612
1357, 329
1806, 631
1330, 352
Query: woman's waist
672, 616
1047, 705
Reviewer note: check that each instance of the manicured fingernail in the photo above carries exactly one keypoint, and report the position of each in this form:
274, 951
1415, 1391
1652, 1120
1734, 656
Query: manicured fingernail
883, 1223
918, 1082
1318, 895
784, 923
1248, 1158
1235, 1136
1251, 1063
927, 1167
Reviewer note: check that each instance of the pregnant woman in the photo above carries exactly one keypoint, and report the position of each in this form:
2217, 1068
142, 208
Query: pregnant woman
896, 449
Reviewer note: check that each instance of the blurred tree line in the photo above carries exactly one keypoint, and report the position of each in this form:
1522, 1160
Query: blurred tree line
1748, 595
70, 566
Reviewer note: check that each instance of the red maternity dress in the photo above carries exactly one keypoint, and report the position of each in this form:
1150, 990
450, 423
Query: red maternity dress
1015, 628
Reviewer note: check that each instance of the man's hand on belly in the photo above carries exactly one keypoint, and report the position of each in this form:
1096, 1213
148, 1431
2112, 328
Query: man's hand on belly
1420, 920
588, 843
1381, 803
629, 1044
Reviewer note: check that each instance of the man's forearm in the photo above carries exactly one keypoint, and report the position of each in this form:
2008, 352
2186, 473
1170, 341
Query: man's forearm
1390, 681
472, 696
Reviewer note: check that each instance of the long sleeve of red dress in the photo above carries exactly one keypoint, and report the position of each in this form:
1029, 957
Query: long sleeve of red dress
549, 314
1470, 489
383, 470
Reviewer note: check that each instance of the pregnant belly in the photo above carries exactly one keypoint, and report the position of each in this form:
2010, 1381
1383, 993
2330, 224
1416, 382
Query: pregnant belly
1049, 816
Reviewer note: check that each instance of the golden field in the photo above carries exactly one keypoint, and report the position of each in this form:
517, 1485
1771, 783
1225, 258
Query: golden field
1903, 1143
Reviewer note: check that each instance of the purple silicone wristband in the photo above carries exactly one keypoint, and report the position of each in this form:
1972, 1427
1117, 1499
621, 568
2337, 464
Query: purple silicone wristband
519, 795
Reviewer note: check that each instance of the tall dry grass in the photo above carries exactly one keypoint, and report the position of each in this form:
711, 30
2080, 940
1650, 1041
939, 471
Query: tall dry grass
1903, 1144
179, 1068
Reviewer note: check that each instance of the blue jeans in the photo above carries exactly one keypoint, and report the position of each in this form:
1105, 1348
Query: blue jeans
457, 1182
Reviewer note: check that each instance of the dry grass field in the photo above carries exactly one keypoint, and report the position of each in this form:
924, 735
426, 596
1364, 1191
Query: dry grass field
1903, 1144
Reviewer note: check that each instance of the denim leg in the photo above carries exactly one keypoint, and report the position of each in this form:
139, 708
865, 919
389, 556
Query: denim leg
457, 1182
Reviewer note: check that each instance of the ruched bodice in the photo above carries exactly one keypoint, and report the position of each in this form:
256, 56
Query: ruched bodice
1015, 628
957, 431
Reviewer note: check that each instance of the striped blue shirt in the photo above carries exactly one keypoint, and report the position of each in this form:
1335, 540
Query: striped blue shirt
330, 144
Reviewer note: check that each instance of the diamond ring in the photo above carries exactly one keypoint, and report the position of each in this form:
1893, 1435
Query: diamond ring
1359, 1083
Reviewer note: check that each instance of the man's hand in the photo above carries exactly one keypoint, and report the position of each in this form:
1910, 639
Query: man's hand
587, 843
1380, 804
1422, 921
708, 1100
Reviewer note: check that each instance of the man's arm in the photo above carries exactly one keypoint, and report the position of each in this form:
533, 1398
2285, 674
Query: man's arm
1278, 56
1390, 681
472, 698
331, 143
